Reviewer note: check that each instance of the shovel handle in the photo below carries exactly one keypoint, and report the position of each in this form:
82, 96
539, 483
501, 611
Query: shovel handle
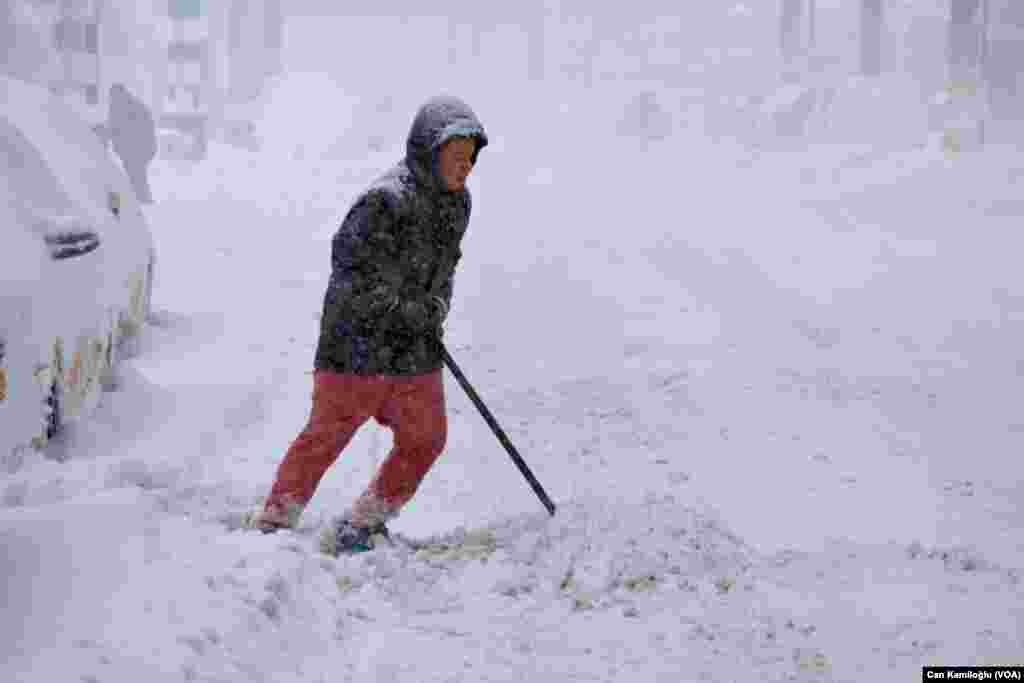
496, 428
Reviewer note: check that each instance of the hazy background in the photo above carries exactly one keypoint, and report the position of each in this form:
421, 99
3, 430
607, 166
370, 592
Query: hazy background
807, 71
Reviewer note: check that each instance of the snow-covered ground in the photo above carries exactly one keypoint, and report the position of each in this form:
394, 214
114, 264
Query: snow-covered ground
774, 394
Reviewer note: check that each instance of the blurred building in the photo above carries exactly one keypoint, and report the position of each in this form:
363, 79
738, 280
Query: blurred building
1003, 65
200, 66
66, 40
79, 48
219, 58
248, 53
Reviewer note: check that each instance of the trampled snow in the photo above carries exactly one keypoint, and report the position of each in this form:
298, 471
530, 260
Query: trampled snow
774, 391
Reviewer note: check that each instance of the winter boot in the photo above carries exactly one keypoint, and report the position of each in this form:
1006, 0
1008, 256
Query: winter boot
268, 522
349, 539
255, 521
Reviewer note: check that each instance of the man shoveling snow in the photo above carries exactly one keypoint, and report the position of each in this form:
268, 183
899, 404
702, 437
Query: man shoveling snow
393, 260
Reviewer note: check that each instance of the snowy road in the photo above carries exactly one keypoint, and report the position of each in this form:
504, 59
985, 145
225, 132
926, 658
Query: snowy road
782, 450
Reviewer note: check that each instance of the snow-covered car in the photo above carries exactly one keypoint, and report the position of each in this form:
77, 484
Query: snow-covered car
76, 266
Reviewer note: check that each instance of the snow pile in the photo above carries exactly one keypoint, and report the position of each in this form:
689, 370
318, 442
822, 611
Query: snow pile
590, 556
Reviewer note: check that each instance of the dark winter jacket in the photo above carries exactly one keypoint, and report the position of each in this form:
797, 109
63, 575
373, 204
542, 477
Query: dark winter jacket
396, 249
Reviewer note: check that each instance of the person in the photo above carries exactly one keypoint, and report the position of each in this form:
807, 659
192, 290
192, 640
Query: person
132, 134
392, 266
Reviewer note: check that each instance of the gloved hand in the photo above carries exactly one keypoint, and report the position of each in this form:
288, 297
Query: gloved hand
422, 313
438, 314
441, 310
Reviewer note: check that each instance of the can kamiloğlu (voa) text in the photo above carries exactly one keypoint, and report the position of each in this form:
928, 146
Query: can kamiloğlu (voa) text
979, 673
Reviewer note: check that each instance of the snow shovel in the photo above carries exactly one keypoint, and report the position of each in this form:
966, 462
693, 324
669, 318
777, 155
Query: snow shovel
496, 428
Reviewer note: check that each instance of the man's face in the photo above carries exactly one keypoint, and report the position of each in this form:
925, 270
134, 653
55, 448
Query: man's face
455, 162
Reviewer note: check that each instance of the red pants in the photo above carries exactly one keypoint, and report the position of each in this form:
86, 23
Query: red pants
413, 407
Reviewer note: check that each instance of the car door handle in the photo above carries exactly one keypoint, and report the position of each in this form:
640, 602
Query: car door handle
66, 245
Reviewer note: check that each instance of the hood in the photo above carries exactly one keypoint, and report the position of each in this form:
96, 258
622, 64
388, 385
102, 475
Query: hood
437, 121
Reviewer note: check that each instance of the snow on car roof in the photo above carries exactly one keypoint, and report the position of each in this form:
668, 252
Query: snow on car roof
66, 246
63, 141
49, 186
85, 171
